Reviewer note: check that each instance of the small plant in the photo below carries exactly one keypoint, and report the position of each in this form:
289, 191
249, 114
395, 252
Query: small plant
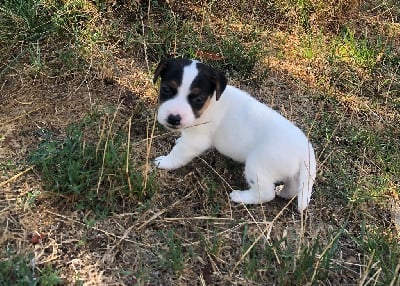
95, 175
16, 270
24, 20
240, 58
304, 9
382, 254
360, 50
253, 257
173, 256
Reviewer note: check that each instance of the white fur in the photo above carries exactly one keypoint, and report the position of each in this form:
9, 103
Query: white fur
237, 125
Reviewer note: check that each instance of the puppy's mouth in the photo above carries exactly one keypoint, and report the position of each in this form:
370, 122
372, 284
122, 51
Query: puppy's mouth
172, 126
181, 127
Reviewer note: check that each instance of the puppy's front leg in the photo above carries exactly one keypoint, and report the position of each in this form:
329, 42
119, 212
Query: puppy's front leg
184, 151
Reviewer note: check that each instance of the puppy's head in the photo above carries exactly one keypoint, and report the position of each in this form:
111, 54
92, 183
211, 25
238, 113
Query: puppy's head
186, 90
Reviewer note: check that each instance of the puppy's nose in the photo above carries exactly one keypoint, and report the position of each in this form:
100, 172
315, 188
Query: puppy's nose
174, 119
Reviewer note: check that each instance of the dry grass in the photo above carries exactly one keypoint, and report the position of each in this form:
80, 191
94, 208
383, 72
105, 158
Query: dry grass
341, 87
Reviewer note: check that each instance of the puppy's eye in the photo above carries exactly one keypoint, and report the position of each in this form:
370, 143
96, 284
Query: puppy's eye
166, 89
198, 100
166, 93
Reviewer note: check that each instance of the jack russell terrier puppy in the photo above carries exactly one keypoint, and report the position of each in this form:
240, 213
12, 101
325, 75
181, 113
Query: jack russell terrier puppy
196, 100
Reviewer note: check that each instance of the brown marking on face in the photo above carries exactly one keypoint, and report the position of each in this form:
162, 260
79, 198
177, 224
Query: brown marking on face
173, 84
199, 99
199, 112
196, 91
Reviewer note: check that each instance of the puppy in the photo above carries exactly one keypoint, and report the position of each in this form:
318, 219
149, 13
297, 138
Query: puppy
196, 100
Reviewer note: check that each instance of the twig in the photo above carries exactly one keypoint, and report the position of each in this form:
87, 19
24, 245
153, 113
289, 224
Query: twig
396, 275
2, 184
198, 218
127, 155
364, 277
223, 179
98, 229
251, 247
267, 228
106, 147
144, 37
157, 214
322, 255
148, 149
22, 115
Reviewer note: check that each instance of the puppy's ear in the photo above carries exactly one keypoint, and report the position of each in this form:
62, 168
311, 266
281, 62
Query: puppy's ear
159, 70
220, 82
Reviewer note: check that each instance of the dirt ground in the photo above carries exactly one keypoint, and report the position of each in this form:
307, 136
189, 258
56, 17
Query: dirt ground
129, 247
119, 249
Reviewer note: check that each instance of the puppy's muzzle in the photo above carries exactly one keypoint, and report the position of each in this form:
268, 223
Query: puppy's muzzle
174, 121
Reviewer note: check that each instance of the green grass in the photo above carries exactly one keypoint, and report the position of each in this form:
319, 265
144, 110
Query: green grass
71, 26
26, 21
361, 50
382, 251
16, 270
92, 171
33, 28
283, 264
174, 256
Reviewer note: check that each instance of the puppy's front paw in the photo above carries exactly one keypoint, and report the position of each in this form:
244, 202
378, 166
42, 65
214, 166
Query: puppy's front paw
236, 196
165, 162
251, 196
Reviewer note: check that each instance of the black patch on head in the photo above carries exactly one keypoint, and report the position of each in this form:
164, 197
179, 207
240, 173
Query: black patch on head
171, 73
197, 98
167, 91
202, 88
171, 69
204, 85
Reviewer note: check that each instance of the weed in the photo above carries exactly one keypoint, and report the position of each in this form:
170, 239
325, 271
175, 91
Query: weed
277, 259
36, 59
31, 198
309, 46
16, 270
252, 260
35, 25
304, 9
212, 195
359, 50
24, 20
93, 175
70, 59
174, 255
382, 254
214, 245
7, 165
240, 58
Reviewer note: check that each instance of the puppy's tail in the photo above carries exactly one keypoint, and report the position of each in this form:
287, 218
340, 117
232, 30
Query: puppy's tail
307, 173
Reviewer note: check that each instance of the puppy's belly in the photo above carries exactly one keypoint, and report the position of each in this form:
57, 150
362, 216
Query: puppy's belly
237, 149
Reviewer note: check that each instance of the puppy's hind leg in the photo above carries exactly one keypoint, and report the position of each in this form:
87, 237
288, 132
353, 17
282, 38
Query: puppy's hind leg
306, 178
262, 188
290, 188
300, 185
